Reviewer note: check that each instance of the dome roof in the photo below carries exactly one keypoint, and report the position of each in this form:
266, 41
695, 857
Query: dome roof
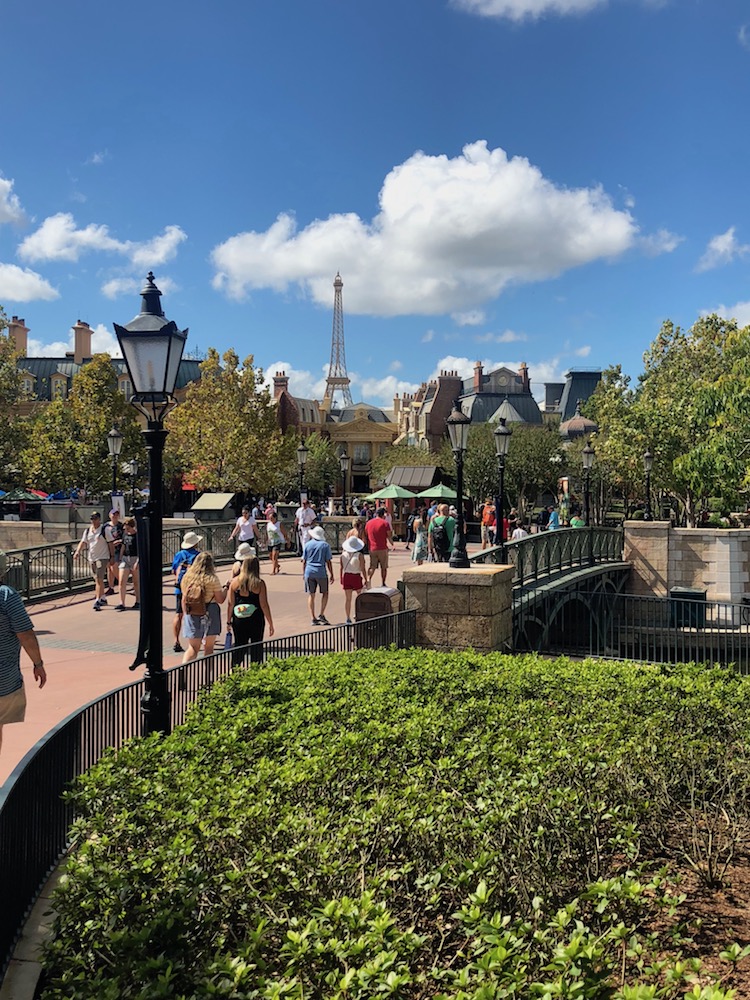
578, 426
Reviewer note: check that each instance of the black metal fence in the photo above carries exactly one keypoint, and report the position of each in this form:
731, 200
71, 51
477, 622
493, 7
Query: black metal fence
35, 822
42, 570
587, 622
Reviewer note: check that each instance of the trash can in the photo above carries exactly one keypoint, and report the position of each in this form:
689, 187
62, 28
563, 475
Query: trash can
687, 607
376, 602
373, 604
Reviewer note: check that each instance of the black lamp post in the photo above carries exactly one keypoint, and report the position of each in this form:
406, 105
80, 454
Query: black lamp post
458, 430
502, 443
302, 453
114, 445
133, 472
648, 464
152, 347
588, 462
344, 464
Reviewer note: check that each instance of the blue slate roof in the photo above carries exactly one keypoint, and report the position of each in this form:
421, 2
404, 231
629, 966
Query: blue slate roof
42, 370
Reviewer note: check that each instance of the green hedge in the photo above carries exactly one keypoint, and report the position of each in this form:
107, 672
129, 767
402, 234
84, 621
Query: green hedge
405, 824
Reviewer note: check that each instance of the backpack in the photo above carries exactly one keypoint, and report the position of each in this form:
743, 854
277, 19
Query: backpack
195, 605
184, 567
440, 537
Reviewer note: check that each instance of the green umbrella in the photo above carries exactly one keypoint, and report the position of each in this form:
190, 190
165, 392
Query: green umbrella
14, 496
439, 492
392, 493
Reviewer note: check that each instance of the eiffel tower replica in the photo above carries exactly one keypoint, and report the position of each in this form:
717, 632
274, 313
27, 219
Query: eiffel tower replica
338, 380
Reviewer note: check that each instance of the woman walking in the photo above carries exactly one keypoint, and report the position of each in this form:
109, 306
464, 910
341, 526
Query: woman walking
248, 612
201, 596
128, 562
420, 551
276, 538
351, 571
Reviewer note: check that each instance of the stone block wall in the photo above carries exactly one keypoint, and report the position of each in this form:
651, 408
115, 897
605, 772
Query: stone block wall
712, 559
461, 608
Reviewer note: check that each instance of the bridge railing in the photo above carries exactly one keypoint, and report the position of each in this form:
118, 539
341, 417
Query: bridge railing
35, 820
551, 552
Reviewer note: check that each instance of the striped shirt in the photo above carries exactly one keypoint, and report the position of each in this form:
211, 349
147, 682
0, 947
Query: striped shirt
13, 619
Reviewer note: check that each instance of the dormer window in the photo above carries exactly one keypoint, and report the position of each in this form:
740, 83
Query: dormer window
59, 388
126, 388
28, 386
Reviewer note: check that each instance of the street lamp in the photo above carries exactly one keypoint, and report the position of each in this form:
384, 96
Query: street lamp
152, 347
114, 445
302, 453
132, 470
588, 462
648, 464
344, 465
502, 443
458, 430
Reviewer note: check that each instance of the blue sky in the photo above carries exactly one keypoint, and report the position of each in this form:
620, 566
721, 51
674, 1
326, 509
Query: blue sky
497, 180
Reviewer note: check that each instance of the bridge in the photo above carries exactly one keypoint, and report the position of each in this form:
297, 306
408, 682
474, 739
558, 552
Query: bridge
569, 598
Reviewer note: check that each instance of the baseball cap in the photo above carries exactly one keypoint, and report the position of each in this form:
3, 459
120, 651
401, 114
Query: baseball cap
115, 510
95, 514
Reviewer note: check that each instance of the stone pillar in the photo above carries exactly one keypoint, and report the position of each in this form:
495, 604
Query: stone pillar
647, 548
461, 608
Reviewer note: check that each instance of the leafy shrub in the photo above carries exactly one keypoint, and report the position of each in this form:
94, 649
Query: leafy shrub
403, 824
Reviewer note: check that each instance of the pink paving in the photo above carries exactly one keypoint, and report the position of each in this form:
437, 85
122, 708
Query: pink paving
87, 654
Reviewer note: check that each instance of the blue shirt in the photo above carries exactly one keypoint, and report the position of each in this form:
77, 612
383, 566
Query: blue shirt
185, 557
316, 554
13, 619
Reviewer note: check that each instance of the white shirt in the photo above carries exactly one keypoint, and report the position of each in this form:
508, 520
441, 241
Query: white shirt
247, 528
305, 518
97, 542
518, 534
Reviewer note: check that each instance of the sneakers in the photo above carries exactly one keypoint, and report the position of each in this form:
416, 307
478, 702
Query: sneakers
136, 606
322, 620
102, 601
178, 648
119, 607
97, 606
348, 621
108, 592
314, 621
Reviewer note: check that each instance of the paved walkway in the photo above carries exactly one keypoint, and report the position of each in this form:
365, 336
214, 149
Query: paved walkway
88, 654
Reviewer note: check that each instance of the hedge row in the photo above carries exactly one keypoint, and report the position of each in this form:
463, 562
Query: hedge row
406, 824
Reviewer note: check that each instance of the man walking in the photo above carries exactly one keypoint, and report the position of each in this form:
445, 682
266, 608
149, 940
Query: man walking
16, 630
116, 531
97, 539
440, 534
488, 523
379, 539
316, 560
184, 558
304, 518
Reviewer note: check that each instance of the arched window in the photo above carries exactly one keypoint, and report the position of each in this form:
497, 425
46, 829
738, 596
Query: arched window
126, 388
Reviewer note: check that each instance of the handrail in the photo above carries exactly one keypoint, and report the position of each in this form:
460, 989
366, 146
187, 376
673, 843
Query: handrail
42, 570
551, 552
35, 821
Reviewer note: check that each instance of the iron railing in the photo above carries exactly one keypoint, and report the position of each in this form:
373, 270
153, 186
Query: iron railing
551, 552
43, 570
600, 623
35, 821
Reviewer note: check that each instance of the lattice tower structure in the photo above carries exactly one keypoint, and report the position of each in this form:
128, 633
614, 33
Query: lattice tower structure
338, 380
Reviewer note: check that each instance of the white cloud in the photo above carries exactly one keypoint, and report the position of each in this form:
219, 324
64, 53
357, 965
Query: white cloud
117, 287
721, 249
19, 284
395, 366
58, 238
662, 241
307, 385
450, 234
583, 352
519, 10
506, 337
301, 383
427, 337
10, 206
740, 311
474, 317
97, 159
381, 391
743, 36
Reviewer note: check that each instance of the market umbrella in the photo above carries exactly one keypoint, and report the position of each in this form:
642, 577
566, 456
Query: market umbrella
40, 493
19, 494
392, 492
439, 492
2, 493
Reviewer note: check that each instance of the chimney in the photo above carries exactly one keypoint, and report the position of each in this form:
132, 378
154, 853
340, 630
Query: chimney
19, 334
478, 372
81, 342
280, 384
396, 405
523, 371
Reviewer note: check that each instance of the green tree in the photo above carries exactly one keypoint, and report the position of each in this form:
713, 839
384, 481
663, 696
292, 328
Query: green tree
12, 432
225, 435
533, 464
322, 467
67, 442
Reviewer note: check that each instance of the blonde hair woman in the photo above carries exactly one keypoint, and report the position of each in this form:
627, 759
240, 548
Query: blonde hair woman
248, 611
201, 596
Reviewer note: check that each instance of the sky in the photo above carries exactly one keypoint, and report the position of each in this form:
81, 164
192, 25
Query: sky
495, 180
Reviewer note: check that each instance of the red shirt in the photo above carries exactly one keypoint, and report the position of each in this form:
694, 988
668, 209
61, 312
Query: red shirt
377, 530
